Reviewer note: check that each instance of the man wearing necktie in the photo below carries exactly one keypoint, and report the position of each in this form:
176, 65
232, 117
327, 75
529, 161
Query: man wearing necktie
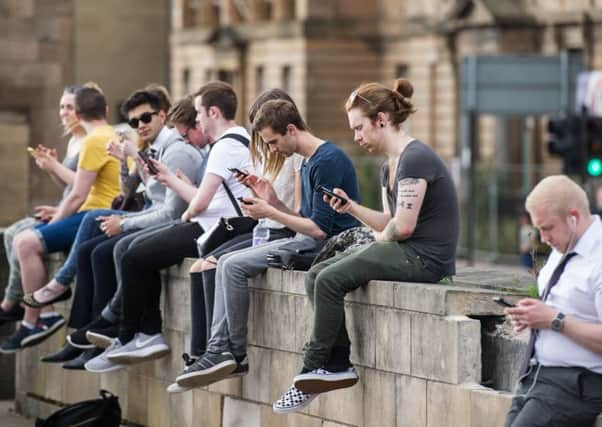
560, 381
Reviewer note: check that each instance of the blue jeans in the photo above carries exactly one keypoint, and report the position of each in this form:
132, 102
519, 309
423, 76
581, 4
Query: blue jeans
59, 235
88, 228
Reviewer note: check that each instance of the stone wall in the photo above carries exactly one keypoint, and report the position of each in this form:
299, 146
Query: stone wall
418, 350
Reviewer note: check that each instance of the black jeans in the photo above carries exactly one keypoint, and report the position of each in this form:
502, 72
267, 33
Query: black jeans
556, 397
141, 266
95, 280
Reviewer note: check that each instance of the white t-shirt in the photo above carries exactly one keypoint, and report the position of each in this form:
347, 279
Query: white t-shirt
226, 153
284, 184
578, 293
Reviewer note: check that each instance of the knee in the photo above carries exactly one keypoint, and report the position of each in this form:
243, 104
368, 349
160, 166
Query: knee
197, 266
209, 264
26, 243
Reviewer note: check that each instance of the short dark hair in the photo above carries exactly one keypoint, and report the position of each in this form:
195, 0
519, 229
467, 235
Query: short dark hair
221, 95
141, 97
278, 114
90, 104
182, 112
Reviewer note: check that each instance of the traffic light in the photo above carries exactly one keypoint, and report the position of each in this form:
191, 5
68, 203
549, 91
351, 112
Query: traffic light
593, 160
565, 140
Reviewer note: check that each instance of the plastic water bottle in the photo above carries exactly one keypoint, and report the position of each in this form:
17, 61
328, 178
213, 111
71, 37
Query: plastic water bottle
261, 233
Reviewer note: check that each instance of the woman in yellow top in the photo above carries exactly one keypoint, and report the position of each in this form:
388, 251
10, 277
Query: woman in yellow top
96, 184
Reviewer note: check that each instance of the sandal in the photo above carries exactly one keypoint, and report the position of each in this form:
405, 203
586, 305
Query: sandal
30, 301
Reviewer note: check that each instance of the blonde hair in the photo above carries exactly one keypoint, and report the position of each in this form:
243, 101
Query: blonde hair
558, 193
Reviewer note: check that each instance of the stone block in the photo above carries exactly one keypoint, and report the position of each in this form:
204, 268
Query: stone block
80, 385
181, 408
446, 348
231, 387
158, 414
54, 382
176, 300
241, 413
448, 405
379, 398
421, 297
137, 399
488, 407
376, 292
304, 315
273, 320
341, 405
206, 407
168, 367
411, 398
117, 383
361, 326
393, 340
270, 419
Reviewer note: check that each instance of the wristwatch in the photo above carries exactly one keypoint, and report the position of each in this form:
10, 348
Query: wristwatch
558, 322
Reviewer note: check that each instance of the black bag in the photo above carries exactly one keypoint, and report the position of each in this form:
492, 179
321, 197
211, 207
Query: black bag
133, 203
103, 412
294, 255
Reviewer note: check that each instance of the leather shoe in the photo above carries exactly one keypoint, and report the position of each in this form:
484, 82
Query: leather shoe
14, 314
68, 352
80, 361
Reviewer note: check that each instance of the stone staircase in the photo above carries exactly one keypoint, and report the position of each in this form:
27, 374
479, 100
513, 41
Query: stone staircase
418, 349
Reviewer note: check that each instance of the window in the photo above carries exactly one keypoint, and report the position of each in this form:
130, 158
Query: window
186, 80
259, 77
401, 71
286, 78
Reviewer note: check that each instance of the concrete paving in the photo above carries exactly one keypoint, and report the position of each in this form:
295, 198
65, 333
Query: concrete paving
8, 418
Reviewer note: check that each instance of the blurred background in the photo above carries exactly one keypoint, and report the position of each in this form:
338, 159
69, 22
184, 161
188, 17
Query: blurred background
490, 125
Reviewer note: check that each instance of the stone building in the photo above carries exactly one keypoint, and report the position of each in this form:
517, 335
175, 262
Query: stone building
47, 44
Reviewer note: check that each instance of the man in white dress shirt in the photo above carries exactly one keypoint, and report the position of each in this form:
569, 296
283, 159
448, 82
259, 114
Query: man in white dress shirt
562, 382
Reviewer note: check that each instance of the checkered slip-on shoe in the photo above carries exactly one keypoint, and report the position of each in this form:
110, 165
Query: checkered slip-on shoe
293, 400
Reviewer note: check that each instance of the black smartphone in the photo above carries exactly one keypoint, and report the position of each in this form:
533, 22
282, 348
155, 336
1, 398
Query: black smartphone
146, 159
329, 193
238, 171
501, 301
244, 202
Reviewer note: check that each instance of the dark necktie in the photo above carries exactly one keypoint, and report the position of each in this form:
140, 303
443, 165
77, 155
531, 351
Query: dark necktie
524, 367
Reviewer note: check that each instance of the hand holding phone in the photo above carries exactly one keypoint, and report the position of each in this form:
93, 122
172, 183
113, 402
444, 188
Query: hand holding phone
244, 202
238, 171
501, 301
146, 159
331, 194
32, 152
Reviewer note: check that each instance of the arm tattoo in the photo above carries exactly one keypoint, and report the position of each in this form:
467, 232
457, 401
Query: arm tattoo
406, 189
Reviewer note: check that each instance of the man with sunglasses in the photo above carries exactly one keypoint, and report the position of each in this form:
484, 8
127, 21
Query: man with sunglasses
146, 115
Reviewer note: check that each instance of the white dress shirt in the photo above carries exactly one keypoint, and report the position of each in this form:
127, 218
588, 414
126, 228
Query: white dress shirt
578, 293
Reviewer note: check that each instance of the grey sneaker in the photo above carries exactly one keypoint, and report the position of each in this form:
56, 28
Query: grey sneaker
293, 400
321, 380
209, 368
101, 364
140, 349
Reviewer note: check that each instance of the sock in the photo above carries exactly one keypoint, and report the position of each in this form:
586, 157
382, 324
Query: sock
48, 314
27, 324
240, 358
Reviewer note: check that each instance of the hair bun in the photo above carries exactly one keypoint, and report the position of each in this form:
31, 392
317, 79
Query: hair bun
404, 87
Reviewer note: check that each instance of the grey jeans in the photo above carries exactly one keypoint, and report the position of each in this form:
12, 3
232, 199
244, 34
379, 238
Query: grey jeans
14, 288
112, 312
231, 309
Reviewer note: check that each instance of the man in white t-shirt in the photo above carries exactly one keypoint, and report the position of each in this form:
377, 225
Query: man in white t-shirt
140, 337
561, 377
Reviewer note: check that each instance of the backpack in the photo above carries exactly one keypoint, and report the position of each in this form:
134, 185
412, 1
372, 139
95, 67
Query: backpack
103, 412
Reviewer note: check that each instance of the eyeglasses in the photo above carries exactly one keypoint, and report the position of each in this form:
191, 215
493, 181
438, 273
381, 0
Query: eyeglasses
144, 118
355, 94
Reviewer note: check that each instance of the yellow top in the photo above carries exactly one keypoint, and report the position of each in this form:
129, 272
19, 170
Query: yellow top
93, 157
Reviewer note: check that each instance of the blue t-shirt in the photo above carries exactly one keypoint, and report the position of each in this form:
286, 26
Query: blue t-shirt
330, 167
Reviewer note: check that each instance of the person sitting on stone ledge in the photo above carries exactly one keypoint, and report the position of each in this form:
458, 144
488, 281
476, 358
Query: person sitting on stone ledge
95, 185
283, 130
63, 174
560, 379
416, 236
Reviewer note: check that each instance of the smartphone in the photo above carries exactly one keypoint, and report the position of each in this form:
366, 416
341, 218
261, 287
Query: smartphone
238, 171
501, 301
329, 193
244, 202
32, 152
146, 159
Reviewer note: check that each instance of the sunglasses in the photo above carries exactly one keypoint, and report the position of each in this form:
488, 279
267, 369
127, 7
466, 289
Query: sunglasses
355, 95
144, 118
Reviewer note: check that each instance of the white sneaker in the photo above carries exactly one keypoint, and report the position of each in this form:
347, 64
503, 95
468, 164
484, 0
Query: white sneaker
100, 363
177, 388
293, 400
140, 349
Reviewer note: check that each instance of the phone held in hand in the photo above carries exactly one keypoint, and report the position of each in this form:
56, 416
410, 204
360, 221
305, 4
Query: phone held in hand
238, 171
146, 159
501, 301
330, 193
244, 202
32, 152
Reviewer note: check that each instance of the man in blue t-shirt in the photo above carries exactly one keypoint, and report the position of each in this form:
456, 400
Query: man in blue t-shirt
283, 130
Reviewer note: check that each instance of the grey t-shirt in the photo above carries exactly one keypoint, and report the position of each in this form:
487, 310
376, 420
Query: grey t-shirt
436, 235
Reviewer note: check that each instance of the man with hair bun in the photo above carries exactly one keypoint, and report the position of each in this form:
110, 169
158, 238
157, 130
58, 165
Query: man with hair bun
560, 379
416, 235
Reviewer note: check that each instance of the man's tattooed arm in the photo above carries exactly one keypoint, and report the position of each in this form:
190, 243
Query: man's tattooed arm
410, 194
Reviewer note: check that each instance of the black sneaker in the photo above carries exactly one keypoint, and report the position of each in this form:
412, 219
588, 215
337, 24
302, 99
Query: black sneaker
25, 337
12, 344
68, 352
242, 368
79, 362
103, 337
78, 338
209, 368
13, 315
